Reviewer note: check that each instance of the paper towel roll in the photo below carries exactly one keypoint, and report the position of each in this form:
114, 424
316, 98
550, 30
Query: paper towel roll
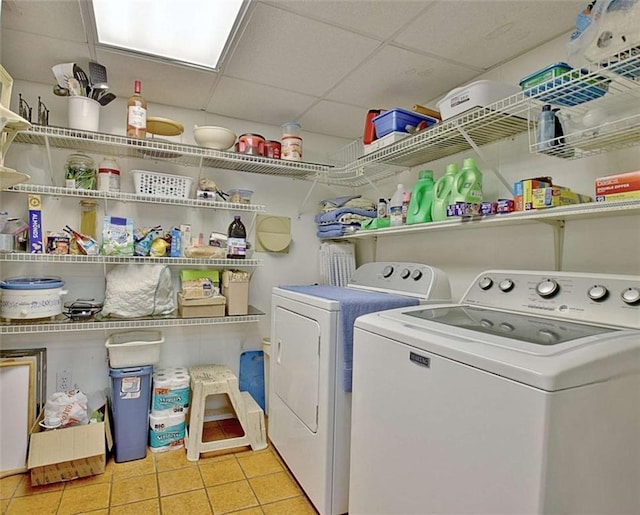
167, 432
171, 391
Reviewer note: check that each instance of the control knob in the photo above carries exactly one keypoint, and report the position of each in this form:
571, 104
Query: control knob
506, 285
405, 273
631, 296
507, 327
388, 270
485, 283
548, 336
547, 288
598, 292
416, 275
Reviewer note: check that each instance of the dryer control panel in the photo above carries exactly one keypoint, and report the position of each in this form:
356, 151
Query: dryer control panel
595, 298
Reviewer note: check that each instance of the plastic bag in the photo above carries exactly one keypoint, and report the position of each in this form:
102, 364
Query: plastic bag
70, 408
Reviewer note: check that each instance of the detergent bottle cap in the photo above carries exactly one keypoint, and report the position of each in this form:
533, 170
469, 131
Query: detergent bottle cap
469, 162
452, 168
546, 107
425, 174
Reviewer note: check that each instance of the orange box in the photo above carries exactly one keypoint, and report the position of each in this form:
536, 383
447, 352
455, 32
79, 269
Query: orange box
620, 183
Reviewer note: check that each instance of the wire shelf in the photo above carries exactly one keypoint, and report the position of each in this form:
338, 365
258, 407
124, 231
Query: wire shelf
25, 257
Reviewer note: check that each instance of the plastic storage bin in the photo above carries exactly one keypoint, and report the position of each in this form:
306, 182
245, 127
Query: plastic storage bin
397, 119
130, 401
556, 85
161, 184
134, 348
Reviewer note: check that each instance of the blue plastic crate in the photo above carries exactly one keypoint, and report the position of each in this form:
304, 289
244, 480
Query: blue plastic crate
398, 120
556, 84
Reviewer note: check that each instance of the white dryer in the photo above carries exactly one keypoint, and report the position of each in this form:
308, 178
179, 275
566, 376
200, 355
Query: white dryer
523, 398
311, 365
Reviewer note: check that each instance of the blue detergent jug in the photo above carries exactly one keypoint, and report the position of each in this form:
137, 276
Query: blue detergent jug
421, 199
442, 192
467, 186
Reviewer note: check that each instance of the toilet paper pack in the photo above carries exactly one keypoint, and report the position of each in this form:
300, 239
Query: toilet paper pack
170, 393
167, 432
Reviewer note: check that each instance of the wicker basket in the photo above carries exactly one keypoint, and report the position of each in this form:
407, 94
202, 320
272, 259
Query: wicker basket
161, 184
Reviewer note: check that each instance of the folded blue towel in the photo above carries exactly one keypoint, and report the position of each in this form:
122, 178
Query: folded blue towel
334, 230
332, 216
353, 303
339, 201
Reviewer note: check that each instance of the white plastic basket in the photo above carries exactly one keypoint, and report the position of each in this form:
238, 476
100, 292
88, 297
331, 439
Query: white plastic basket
161, 184
134, 348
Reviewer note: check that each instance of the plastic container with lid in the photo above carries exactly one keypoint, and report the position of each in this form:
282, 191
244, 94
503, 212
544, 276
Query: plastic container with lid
291, 149
109, 175
252, 144
272, 149
240, 196
80, 172
88, 217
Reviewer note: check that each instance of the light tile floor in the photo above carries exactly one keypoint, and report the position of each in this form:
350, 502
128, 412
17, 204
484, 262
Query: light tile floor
238, 481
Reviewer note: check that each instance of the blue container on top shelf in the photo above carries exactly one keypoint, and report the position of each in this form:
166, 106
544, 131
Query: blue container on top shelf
560, 84
398, 120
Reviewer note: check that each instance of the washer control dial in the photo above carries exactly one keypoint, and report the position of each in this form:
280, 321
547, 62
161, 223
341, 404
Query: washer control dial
388, 270
506, 285
485, 283
405, 273
548, 336
416, 275
547, 288
631, 296
598, 292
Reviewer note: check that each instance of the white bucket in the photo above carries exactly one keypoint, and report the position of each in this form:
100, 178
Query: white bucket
83, 113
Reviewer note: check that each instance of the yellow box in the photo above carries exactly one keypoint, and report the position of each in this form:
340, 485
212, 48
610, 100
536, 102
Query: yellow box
235, 287
628, 195
69, 453
201, 308
556, 196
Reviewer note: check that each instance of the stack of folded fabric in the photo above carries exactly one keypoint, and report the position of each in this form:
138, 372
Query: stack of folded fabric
343, 215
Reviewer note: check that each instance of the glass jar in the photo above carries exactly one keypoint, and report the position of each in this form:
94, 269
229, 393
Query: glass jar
80, 172
88, 217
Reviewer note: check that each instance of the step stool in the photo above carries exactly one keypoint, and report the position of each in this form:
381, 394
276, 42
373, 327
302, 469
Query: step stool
218, 379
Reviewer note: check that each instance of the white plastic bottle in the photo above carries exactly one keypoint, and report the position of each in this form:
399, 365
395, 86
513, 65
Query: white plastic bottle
395, 207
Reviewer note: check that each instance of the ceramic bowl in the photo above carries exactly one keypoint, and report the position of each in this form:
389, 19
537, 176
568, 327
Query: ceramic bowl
218, 138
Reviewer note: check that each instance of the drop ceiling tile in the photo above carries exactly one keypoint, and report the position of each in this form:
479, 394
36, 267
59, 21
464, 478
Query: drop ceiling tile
295, 53
486, 33
335, 119
162, 83
31, 56
257, 102
60, 19
379, 19
399, 78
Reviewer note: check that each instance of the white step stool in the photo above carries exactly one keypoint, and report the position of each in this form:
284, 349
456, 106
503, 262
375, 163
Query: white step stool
218, 379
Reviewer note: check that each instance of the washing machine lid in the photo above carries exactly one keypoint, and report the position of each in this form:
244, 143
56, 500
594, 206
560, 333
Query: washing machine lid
564, 355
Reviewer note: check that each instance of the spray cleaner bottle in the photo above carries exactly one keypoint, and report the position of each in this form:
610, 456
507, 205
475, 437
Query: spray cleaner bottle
395, 207
442, 192
421, 199
467, 186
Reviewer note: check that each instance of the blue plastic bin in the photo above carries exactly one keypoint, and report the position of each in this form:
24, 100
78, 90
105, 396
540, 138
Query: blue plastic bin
397, 119
130, 401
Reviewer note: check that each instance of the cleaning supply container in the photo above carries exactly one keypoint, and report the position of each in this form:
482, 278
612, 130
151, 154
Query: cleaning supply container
442, 192
130, 401
395, 207
467, 188
421, 199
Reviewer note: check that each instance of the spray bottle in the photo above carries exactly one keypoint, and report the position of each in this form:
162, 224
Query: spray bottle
442, 192
395, 207
421, 199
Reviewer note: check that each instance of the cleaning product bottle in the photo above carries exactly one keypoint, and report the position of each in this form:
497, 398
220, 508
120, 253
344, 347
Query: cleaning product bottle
237, 240
467, 186
395, 207
421, 199
442, 193
546, 129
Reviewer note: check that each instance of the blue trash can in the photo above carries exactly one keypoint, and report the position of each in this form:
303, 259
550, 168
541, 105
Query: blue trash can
130, 401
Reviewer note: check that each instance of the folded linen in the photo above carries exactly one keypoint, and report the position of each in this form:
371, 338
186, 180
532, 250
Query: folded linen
334, 215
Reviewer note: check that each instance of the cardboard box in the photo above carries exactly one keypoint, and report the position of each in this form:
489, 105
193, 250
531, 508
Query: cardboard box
629, 195
69, 453
523, 192
557, 196
36, 239
620, 183
201, 308
235, 288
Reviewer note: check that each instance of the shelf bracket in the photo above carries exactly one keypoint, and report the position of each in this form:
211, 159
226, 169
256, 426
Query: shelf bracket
485, 162
558, 241
301, 209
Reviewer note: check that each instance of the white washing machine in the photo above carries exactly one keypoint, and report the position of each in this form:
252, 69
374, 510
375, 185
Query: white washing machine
310, 394
524, 398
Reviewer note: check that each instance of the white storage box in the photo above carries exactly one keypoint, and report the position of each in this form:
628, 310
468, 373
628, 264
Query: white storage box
389, 139
161, 184
477, 94
134, 348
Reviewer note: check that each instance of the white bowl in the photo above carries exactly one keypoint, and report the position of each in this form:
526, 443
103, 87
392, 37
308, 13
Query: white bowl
210, 136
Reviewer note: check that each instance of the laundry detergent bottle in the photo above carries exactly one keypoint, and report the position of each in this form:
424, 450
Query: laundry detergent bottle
421, 199
467, 186
442, 192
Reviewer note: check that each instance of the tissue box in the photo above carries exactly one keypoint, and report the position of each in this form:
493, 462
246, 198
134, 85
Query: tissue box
235, 287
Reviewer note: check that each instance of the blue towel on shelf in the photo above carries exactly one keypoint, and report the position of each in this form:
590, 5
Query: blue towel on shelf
335, 230
353, 303
332, 216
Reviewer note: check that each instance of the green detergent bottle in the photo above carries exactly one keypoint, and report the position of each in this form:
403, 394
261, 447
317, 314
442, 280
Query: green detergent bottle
467, 186
442, 193
421, 199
